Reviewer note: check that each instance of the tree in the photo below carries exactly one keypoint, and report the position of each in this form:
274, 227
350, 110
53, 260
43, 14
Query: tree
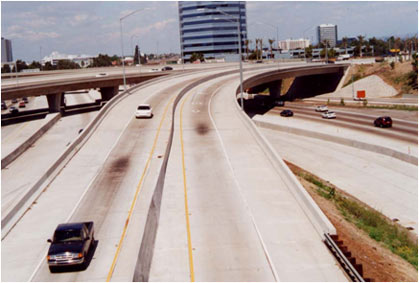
6, 69
271, 41
21, 65
345, 44
247, 42
256, 43
136, 61
197, 56
67, 64
309, 51
360, 41
261, 48
103, 60
35, 65
49, 67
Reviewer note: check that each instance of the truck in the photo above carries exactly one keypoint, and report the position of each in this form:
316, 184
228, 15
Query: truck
70, 245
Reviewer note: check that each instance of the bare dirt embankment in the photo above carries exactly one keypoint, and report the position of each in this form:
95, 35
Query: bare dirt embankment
397, 77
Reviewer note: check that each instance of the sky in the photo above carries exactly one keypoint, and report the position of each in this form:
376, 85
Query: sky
37, 28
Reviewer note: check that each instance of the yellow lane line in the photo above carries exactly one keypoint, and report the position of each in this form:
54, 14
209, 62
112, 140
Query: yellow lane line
136, 193
188, 229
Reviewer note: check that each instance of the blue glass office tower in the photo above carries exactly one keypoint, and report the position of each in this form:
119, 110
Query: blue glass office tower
204, 30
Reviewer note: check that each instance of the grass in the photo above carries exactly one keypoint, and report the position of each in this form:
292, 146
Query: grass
377, 226
365, 105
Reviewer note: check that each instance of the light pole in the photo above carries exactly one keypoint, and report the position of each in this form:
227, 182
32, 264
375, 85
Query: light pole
304, 38
237, 19
122, 44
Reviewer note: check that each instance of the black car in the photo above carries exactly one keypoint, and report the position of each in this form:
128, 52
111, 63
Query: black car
287, 113
14, 100
383, 122
3, 105
70, 245
13, 110
166, 68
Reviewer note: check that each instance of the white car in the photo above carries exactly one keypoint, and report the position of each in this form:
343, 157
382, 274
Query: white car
322, 108
329, 115
101, 75
144, 110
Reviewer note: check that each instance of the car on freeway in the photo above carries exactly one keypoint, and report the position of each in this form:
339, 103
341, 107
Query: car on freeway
144, 111
3, 105
279, 102
14, 100
329, 115
383, 122
13, 109
321, 108
286, 113
22, 104
167, 68
70, 245
102, 75
154, 70
25, 99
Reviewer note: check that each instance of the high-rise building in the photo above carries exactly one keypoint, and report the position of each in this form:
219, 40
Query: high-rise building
205, 30
6, 50
328, 32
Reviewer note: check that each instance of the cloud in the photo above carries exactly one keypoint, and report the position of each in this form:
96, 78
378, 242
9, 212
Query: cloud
156, 26
19, 32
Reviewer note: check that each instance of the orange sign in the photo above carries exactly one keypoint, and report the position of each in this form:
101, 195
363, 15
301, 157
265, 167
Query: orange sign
360, 93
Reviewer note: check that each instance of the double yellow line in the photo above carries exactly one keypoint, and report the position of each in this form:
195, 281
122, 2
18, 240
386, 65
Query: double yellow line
137, 192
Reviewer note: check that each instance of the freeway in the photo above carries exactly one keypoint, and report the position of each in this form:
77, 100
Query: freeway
239, 204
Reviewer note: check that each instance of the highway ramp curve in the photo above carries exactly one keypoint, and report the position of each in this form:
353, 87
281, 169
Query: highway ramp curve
227, 212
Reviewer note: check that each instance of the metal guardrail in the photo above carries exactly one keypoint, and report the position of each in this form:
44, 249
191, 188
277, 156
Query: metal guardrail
346, 264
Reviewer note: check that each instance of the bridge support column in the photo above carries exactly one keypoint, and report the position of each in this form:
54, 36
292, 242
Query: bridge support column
55, 101
108, 92
275, 89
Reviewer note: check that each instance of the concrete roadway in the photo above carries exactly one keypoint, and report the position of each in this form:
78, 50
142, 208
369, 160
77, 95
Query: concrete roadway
98, 183
244, 223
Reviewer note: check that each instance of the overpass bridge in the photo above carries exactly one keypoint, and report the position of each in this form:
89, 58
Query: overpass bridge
193, 193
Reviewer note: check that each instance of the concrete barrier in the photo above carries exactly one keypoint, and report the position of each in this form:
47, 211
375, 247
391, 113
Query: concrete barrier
9, 158
345, 141
319, 220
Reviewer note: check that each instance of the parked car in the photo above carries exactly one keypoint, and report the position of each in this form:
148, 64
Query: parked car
322, 108
287, 113
22, 104
144, 110
329, 115
3, 105
13, 109
70, 244
383, 122
167, 68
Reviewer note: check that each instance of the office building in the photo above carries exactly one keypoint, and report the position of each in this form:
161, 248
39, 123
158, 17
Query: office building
211, 33
328, 32
6, 50
292, 44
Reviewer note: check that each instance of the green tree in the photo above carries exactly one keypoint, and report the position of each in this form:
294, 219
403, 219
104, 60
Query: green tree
35, 65
67, 64
6, 69
309, 51
21, 65
103, 60
271, 41
136, 60
345, 44
360, 43
49, 67
197, 56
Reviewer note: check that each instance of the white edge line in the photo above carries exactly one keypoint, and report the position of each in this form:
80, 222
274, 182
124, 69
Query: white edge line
239, 188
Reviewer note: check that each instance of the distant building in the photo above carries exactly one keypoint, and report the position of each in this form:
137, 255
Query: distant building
6, 50
213, 34
291, 44
81, 60
328, 32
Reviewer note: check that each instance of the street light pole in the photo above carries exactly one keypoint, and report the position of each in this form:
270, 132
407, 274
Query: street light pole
122, 44
240, 54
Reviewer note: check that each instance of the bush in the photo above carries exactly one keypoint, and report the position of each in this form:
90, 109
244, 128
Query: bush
342, 102
392, 65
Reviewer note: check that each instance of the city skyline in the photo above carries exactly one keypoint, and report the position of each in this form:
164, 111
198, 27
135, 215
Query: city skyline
39, 28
